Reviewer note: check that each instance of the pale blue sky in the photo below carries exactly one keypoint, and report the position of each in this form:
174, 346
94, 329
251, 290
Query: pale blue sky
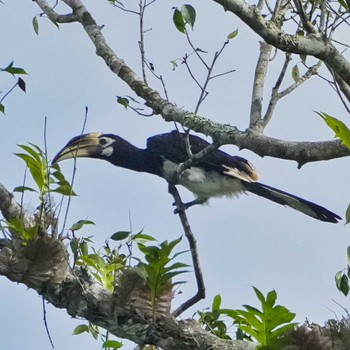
242, 242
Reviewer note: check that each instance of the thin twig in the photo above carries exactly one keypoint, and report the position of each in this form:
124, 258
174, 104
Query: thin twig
73, 174
194, 254
307, 25
53, 221
159, 77
45, 323
307, 75
8, 92
204, 92
221, 74
195, 50
275, 93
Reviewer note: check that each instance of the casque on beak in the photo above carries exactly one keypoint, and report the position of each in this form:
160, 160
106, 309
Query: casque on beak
87, 145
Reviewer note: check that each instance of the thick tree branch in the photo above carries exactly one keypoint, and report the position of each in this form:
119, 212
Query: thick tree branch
9, 208
258, 86
312, 44
43, 266
301, 152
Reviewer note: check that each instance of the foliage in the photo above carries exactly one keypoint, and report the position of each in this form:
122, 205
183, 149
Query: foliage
342, 277
340, 129
267, 325
47, 180
107, 265
159, 274
96, 333
211, 319
20, 82
186, 15
343, 133
45, 177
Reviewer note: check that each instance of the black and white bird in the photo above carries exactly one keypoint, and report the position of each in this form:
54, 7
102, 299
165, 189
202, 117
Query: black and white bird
217, 174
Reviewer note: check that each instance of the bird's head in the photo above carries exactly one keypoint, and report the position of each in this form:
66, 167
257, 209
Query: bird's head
93, 145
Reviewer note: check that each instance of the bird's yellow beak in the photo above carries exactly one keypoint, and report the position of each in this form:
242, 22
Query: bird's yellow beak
87, 145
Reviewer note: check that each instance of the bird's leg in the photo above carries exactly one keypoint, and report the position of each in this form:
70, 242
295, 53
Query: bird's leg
184, 206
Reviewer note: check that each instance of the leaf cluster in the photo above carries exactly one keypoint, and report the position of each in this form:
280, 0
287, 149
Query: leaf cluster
159, 274
20, 82
211, 320
343, 133
342, 277
47, 179
267, 325
105, 266
183, 16
96, 333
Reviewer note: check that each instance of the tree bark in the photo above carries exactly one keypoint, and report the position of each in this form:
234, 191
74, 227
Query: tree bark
43, 265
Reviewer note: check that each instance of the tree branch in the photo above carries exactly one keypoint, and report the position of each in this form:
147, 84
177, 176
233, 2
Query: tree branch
9, 208
312, 44
258, 85
194, 254
302, 152
43, 265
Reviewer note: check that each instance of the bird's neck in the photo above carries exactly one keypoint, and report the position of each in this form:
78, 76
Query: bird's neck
137, 159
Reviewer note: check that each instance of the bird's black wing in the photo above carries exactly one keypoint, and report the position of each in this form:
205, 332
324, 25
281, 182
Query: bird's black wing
172, 146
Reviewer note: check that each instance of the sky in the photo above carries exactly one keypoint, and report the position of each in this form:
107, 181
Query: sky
243, 242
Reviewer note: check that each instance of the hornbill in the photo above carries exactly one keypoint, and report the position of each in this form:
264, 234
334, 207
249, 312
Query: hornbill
215, 175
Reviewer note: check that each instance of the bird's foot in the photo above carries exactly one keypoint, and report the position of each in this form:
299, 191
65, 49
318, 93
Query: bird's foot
182, 207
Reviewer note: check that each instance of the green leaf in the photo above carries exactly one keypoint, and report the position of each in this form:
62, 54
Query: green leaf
143, 237
80, 329
295, 73
35, 24
344, 5
271, 298
2, 108
303, 58
84, 248
232, 35
65, 190
13, 70
347, 215
79, 224
342, 282
177, 265
265, 326
23, 188
216, 303
27, 233
36, 162
339, 128
179, 21
120, 235
282, 330
54, 22
123, 101
188, 15
259, 295
112, 344
174, 63
348, 254
74, 245
253, 310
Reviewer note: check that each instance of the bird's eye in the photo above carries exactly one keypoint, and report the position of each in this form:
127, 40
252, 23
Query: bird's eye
103, 141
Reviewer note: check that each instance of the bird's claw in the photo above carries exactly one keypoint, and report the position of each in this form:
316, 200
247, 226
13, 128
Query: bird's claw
181, 207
